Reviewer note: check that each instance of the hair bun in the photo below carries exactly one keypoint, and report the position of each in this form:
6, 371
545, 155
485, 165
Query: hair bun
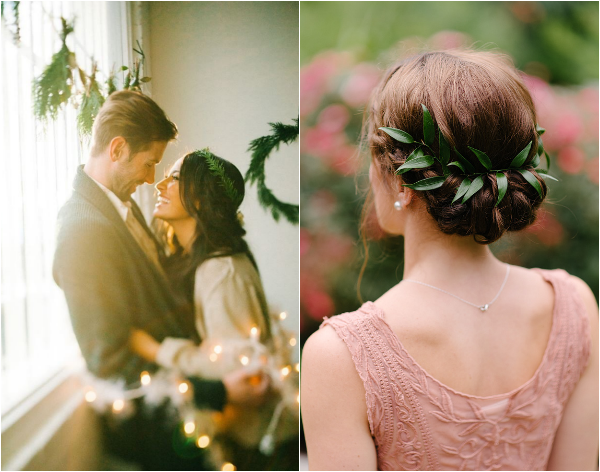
477, 100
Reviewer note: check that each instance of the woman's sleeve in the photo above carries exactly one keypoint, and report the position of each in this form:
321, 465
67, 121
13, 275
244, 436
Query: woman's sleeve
229, 299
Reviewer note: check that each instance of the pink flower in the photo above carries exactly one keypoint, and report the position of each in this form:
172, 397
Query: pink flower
315, 79
320, 141
318, 304
571, 160
305, 241
334, 118
547, 229
358, 87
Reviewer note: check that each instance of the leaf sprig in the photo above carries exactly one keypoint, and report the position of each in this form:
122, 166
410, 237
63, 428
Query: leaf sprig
423, 157
217, 169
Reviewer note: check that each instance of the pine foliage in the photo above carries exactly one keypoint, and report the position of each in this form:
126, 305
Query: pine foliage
217, 169
91, 102
261, 148
53, 87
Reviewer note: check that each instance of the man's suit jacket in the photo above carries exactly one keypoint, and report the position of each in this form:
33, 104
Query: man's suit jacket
111, 287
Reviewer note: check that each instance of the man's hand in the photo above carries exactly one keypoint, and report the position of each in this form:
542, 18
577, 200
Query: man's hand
246, 387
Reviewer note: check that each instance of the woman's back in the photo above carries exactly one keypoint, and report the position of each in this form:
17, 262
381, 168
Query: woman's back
421, 418
460, 345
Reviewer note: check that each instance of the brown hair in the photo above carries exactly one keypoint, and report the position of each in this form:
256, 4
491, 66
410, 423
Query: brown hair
135, 117
476, 99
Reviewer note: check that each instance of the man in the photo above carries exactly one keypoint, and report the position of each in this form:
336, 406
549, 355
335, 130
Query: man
108, 263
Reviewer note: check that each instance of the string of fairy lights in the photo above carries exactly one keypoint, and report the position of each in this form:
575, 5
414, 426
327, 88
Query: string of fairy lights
199, 425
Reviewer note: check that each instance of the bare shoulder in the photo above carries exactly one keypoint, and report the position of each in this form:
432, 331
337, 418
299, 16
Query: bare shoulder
585, 292
325, 353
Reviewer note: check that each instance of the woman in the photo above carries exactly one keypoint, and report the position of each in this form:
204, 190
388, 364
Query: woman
468, 363
212, 265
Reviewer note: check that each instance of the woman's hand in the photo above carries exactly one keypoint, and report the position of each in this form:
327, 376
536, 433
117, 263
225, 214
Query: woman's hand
143, 344
246, 387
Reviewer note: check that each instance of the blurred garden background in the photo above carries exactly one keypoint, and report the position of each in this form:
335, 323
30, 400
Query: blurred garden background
346, 46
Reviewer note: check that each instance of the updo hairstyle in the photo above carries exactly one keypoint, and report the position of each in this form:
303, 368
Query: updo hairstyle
476, 99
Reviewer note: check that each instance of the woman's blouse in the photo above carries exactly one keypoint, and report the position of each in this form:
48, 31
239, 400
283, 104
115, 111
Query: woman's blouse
418, 423
229, 301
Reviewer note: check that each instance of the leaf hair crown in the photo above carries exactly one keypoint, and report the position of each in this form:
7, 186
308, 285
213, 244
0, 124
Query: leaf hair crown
423, 157
217, 169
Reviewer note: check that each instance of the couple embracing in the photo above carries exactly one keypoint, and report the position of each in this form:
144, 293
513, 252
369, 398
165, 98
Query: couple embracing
140, 300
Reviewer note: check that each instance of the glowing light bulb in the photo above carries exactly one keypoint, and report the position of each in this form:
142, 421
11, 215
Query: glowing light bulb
189, 427
218, 349
213, 357
90, 396
203, 441
244, 360
145, 378
297, 367
118, 405
183, 387
286, 370
254, 333
292, 341
282, 315
228, 466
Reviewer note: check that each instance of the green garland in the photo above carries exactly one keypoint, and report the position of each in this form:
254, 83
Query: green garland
53, 87
90, 104
56, 85
423, 157
261, 148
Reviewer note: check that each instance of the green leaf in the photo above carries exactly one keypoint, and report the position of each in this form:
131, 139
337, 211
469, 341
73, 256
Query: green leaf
529, 177
427, 184
483, 158
502, 182
462, 189
398, 135
459, 165
465, 163
539, 130
540, 149
520, 158
124, 67
544, 174
547, 160
473, 188
145, 79
536, 161
428, 127
416, 163
444, 150
416, 153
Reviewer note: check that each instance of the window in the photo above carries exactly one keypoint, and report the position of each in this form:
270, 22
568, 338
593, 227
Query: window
38, 165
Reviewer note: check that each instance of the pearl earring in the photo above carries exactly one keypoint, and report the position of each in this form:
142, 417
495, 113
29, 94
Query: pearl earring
398, 205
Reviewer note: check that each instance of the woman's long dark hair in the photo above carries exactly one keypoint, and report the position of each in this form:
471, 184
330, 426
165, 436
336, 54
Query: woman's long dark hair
219, 231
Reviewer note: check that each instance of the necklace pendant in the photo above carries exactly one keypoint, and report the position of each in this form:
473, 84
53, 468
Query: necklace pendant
484, 307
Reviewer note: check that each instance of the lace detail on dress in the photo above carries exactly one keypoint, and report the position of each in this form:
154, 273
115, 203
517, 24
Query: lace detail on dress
418, 423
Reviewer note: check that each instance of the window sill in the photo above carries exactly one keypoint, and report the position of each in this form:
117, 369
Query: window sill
29, 427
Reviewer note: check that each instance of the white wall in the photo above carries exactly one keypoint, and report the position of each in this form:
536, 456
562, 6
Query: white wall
222, 71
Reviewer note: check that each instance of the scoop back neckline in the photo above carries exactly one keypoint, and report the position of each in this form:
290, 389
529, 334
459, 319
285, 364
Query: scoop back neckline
382, 316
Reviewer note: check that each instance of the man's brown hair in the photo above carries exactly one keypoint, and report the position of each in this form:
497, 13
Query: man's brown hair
135, 117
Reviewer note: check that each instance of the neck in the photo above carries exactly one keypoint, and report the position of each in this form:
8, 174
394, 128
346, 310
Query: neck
431, 255
97, 169
185, 230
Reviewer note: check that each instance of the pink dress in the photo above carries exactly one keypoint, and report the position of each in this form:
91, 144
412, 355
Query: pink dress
418, 423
